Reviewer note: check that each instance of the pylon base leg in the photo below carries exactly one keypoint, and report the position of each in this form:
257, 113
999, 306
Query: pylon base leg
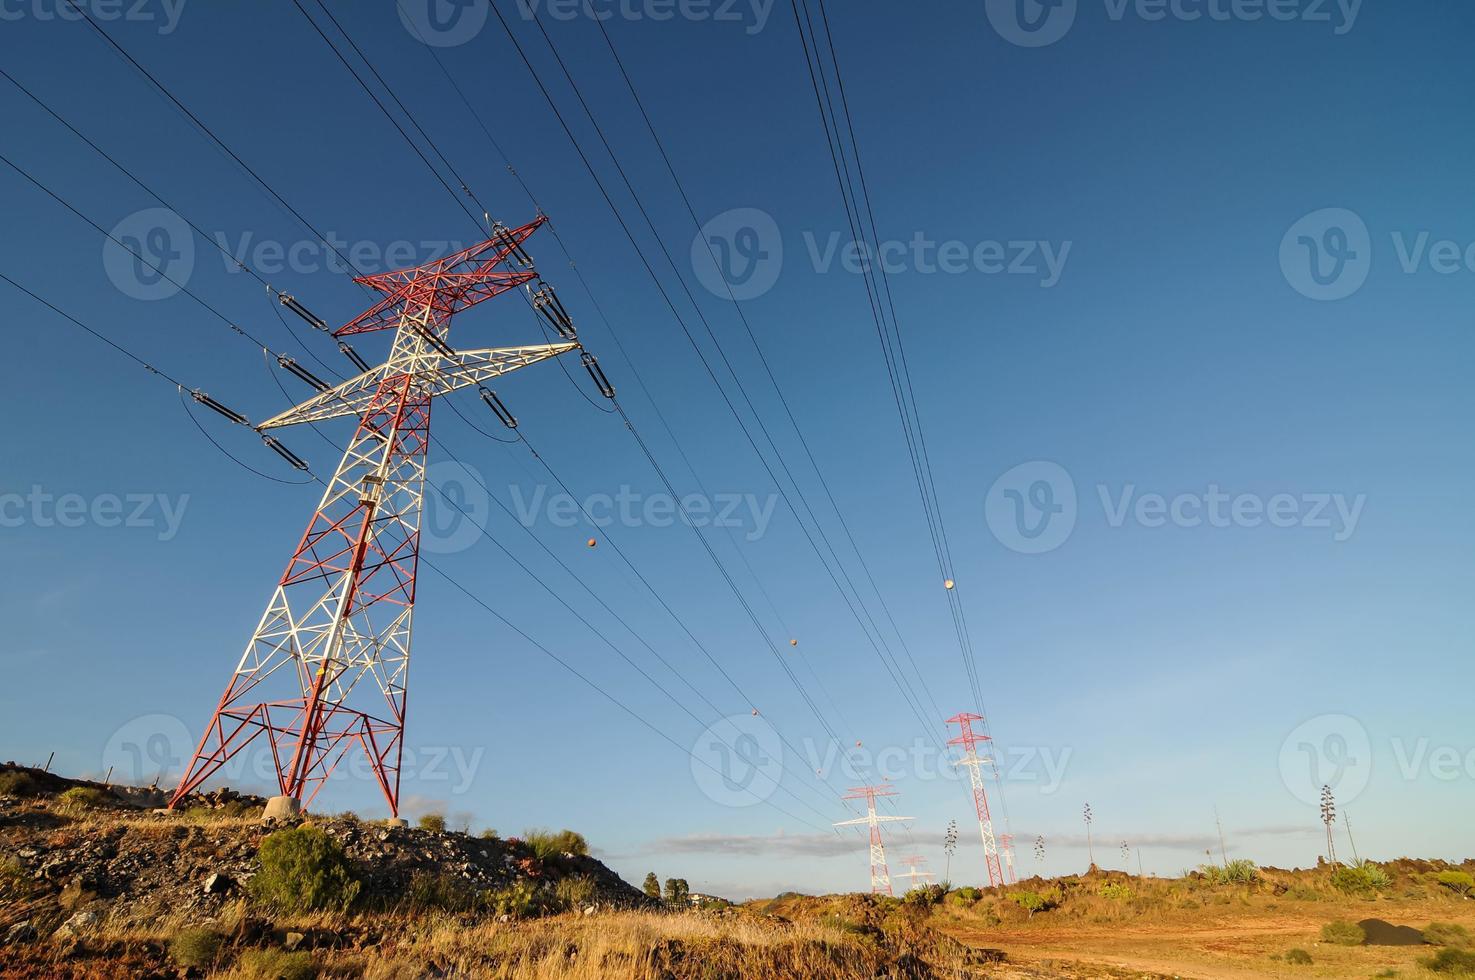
281, 808
396, 822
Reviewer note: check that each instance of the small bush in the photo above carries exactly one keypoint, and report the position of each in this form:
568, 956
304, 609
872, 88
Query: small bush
276, 964
1241, 871
15, 783
445, 893
1354, 881
575, 892
1343, 933
1458, 962
547, 844
303, 870
489, 834
1116, 891
841, 924
434, 822
1298, 956
925, 895
964, 896
519, 901
1031, 902
1459, 882
196, 947
80, 798
1446, 934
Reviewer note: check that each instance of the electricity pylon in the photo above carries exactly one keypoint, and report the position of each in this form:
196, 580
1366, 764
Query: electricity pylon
973, 762
880, 876
915, 874
1006, 848
327, 666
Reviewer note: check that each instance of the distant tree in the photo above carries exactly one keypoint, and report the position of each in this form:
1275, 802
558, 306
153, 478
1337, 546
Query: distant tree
676, 890
652, 885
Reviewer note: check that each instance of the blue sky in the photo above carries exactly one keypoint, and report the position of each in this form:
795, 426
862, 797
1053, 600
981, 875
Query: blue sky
1176, 169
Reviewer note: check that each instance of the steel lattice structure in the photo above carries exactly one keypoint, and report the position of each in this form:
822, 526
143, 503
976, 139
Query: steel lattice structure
972, 761
328, 664
916, 873
880, 876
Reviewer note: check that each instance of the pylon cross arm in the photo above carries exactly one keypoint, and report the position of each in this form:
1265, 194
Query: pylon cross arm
439, 376
878, 818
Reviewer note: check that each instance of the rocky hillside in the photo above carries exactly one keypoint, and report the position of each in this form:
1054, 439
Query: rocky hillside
80, 863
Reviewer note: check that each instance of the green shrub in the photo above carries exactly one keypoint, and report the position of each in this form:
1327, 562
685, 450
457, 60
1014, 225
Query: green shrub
965, 896
80, 798
925, 895
1343, 933
1240, 871
1354, 880
276, 964
547, 844
1116, 891
489, 834
446, 893
1458, 962
1459, 882
196, 947
13, 879
303, 869
574, 892
841, 924
435, 822
16, 783
1031, 902
1446, 934
519, 901
1298, 956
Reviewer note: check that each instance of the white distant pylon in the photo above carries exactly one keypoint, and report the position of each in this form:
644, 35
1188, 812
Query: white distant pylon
914, 872
880, 876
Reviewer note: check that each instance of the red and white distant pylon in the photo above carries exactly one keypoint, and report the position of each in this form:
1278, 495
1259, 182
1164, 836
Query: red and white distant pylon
880, 876
973, 762
916, 873
1006, 848
327, 667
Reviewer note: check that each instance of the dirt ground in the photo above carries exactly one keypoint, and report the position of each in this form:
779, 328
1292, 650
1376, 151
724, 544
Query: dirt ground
1237, 941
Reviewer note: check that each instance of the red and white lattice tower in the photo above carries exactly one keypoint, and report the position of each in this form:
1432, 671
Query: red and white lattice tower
973, 762
880, 876
1006, 848
327, 667
916, 873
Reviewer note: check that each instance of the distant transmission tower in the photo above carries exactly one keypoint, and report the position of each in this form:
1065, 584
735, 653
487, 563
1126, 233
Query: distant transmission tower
327, 667
969, 740
880, 876
916, 874
1006, 848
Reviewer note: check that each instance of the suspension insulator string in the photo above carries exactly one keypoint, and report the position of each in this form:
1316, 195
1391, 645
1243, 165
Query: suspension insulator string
302, 373
353, 356
275, 445
290, 302
547, 303
498, 409
591, 364
215, 406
